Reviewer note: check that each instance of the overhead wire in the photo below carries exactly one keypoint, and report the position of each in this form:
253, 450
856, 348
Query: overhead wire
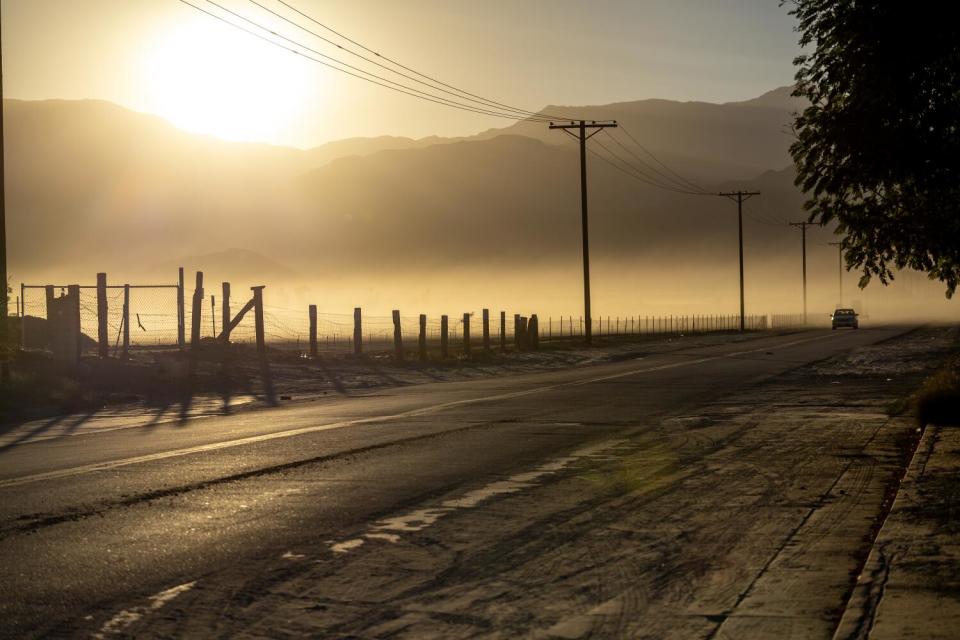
760, 214
437, 84
634, 174
669, 180
647, 174
689, 183
481, 109
399, 87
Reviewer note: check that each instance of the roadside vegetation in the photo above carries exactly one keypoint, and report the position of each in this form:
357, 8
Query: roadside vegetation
938, 399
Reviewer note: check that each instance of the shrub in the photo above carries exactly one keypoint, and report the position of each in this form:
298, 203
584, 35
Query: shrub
938, 400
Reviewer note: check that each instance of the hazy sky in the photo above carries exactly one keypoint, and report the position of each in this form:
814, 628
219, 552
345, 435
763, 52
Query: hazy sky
163, 57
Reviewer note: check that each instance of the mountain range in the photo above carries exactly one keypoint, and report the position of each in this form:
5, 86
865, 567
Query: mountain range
91, 184
433, 223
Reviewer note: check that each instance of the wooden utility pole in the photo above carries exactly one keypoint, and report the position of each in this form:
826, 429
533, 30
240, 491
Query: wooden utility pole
739, 197
803, 243
581, 127
4, 296
839, 246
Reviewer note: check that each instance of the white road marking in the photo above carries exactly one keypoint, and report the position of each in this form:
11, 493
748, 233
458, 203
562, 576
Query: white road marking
420, 519
347, 545
118, 623
226, 444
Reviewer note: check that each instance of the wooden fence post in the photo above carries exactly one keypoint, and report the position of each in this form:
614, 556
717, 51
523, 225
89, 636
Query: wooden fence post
486, 329
258, 320
73, 291
181, 314
103, 337
516, 332
313, 331
503, 331
225, 313
126, 321
48, 291
357, 332
397, 336
444, 322
466, 334
534, 332
197, 311
524, 333
422, 340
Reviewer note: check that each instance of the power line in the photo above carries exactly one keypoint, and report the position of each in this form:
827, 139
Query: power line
669, 179
690, 183
637, 174
410, 92
364, 71
658, 182
450, 89
773, 217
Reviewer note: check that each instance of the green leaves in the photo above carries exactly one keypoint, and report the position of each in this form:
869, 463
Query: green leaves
878, 149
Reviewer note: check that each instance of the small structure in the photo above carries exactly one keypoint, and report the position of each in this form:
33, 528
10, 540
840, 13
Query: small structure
63, 323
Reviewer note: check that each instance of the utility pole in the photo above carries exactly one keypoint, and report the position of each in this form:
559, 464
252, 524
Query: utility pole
839, 246
803, 234
739, 197
4, 296
581, 127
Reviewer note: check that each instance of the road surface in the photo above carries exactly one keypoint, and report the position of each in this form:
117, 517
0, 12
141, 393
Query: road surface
638, 497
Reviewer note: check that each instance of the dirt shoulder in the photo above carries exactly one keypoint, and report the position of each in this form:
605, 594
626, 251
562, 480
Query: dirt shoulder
748, 517
155, 387
910, 585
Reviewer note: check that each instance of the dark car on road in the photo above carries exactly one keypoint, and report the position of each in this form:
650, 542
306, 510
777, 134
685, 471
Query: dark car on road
845, 318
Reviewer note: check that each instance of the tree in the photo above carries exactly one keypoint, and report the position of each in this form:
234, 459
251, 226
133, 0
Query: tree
878, 148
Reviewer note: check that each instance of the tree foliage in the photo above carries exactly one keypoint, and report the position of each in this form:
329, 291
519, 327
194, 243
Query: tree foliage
878, 148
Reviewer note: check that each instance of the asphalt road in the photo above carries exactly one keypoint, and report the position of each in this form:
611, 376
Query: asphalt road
168, 528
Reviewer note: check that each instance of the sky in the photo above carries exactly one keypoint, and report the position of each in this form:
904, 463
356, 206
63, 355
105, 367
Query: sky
166, 58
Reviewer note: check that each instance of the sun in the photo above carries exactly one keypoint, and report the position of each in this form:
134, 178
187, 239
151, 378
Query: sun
209, 78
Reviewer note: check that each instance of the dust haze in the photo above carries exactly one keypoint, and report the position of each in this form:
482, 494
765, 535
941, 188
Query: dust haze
436, 225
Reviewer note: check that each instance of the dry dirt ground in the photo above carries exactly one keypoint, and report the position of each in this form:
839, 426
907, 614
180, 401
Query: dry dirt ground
751, 517
152, 388
910, 586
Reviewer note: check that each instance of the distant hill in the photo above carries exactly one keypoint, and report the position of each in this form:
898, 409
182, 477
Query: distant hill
711, 142
366, 146
515, 198
92, 186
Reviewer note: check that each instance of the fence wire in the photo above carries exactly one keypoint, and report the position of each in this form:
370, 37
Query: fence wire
154, 322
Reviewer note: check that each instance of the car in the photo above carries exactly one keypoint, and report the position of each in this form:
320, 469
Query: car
845, 318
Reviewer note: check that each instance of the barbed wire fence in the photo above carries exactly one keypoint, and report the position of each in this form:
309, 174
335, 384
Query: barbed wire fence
158, 318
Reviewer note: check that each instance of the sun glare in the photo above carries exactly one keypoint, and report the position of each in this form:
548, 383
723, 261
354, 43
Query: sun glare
212, 79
